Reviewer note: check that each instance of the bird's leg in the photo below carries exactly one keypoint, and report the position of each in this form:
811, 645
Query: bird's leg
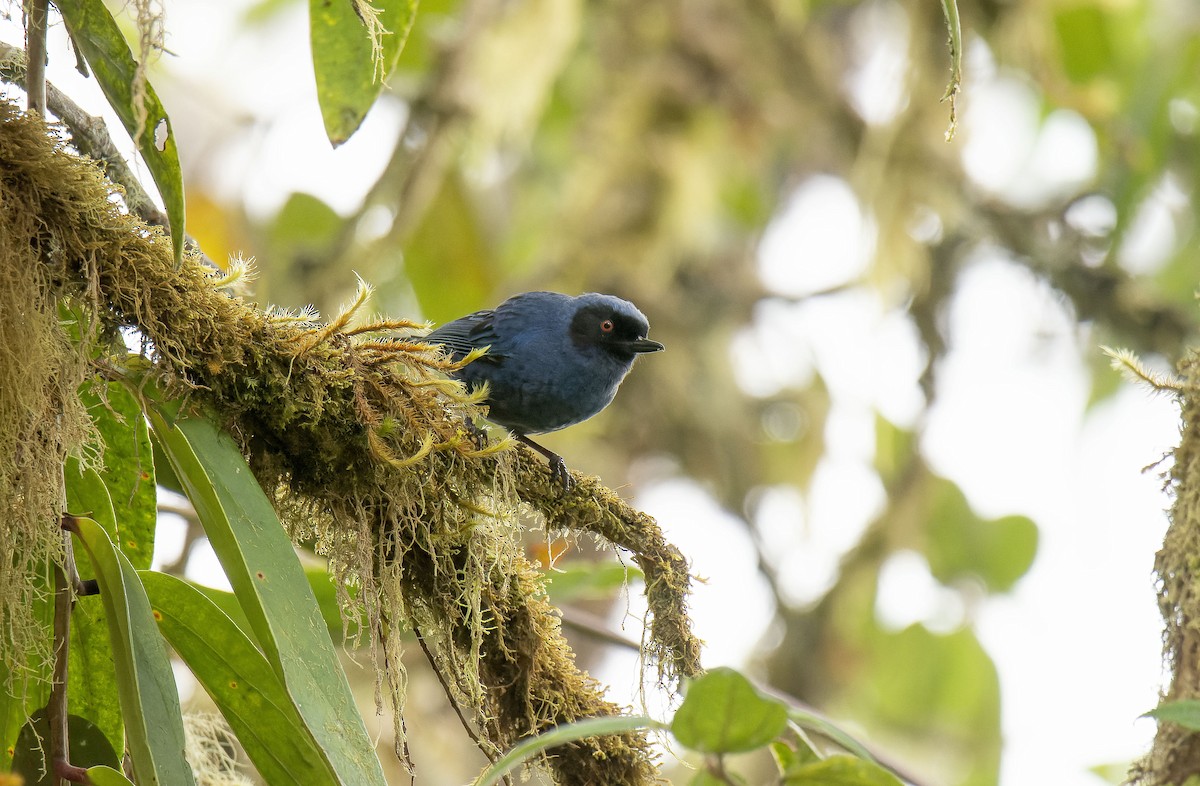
558, 467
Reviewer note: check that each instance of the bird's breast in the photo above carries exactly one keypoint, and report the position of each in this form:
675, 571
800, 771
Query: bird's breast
537, 392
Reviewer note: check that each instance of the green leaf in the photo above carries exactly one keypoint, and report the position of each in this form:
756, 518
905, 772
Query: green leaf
788, 759
350, 72
92, 680
240, 681
107, 776
448, 245
148, 696
959, 543
560, 735
724, 713
1185, 713
164, 473
98, 38
88, 746
841, 771
128, 472
87, 496
270, 584
21, 694
322, 587
128, 477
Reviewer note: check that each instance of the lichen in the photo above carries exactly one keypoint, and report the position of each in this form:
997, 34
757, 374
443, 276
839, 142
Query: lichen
41, 417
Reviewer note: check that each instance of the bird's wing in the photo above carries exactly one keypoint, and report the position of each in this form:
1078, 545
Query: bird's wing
467, 333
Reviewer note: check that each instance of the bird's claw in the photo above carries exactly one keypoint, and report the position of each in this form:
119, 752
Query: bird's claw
560, 473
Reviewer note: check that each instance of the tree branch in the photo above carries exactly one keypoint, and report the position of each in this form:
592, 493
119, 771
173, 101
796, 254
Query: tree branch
36, 13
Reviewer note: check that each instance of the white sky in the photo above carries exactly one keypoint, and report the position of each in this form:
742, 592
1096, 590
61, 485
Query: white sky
1077, 642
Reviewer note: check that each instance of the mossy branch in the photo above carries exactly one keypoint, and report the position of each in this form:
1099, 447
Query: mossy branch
363, 446
1174, 757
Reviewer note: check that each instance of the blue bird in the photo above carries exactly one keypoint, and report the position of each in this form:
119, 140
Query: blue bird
552, 360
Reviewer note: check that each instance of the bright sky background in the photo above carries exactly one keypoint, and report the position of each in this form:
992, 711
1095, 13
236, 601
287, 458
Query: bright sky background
1078, 641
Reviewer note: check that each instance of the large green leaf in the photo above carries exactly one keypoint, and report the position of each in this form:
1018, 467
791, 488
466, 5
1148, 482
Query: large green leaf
148, 696
22, 694
88, 746
724, 713
270, 584
92, 680
350, 72
322, 587
940, 691
128, 471
240, 681
98, 38
128, 478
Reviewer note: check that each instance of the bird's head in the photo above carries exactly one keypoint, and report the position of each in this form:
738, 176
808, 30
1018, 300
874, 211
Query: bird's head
612, 325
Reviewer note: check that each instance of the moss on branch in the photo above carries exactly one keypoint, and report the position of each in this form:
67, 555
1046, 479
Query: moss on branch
360, 440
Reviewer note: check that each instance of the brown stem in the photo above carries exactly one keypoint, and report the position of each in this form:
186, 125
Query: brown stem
433, 664
57, 709
70, 773
36, 12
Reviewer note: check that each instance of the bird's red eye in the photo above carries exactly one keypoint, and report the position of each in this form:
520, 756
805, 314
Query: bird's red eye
607, 326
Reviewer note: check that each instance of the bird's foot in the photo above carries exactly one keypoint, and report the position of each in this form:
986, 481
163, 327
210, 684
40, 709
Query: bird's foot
560, 473
558, 467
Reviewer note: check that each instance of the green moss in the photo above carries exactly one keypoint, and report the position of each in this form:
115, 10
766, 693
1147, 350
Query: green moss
362, 445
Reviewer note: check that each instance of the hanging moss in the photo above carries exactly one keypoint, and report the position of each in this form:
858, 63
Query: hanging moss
361, 443
41, 418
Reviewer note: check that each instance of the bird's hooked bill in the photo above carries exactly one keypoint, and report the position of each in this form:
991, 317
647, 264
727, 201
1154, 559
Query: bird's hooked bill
644, 345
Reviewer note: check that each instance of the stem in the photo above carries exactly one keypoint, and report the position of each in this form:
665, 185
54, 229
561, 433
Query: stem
437, 672
57, 710
66, 586
36, 14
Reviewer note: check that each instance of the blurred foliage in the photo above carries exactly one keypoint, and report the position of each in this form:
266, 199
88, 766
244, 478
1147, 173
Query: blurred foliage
645, 149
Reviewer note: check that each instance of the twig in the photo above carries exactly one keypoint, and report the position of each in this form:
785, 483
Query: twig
433, 664
64, 579
36, 13
591, 625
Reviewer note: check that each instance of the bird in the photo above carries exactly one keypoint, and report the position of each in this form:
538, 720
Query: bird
551, 360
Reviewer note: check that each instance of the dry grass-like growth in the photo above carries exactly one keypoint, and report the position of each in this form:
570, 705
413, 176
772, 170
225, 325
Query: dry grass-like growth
359, 439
